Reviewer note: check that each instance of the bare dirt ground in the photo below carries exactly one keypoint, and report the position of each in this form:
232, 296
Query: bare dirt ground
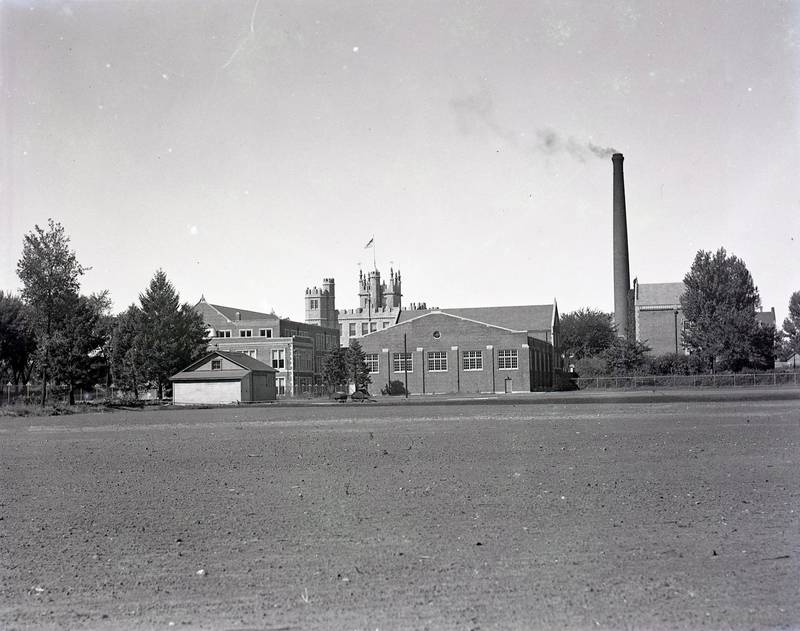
676, 515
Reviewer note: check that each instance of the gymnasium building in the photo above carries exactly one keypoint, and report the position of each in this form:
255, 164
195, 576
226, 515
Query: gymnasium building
484, 349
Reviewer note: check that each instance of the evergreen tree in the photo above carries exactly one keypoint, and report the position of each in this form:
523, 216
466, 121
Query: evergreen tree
791, 328
50, 274
170, 335
720, 304
356, 362
334, 369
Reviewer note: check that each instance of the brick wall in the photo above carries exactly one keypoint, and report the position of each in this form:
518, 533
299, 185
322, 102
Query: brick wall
456, 335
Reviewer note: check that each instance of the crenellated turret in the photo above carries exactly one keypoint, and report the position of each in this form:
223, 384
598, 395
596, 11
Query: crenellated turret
321, 305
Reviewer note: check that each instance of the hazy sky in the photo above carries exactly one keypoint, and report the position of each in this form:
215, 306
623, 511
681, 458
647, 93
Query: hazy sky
252, 148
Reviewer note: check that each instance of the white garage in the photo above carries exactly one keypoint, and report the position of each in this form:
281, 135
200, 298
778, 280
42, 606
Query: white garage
222, 378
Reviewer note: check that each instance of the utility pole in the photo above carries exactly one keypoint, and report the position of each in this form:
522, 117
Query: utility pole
405, 361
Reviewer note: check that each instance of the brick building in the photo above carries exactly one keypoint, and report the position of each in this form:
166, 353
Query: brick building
492, 349
294, 349
658, 316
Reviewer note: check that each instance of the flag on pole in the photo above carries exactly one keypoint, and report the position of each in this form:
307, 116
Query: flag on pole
369, 243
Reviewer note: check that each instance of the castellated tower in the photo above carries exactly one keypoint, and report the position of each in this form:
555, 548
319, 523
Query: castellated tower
374, 295
321, 305
393, 298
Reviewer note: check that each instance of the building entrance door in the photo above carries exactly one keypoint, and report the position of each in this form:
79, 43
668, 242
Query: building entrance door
507, 384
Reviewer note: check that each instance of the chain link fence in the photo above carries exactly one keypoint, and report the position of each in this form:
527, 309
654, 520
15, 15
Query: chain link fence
689, 381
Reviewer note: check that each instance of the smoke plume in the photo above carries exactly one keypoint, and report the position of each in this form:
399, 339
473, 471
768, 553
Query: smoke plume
476, 111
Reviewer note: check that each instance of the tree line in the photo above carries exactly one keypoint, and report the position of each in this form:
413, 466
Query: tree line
722, 333
53, 334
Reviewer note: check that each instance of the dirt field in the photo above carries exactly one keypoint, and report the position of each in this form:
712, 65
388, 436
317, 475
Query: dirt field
605, 515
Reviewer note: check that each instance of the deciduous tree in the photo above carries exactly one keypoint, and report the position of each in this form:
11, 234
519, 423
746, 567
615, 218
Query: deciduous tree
720, 304
125, 357
50, 273
17, 341
791, 328
77, 345
586, 332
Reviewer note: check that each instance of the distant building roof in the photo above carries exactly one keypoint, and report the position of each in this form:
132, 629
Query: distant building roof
244, 314
659, 293
766, 318
519, 318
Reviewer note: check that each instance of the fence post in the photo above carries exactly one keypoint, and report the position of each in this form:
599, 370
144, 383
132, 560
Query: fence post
774, 379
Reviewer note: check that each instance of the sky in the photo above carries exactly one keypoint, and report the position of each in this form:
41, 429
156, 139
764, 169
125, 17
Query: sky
252, 148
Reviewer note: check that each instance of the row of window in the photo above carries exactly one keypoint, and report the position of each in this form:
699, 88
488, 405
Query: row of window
437, 361
366, 327
245, 333
320, 338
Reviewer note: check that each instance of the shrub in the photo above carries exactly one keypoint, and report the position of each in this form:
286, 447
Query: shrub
393, 388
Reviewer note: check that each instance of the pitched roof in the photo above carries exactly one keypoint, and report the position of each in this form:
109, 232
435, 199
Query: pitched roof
659, 293
519, 318
210, 375
247, 363
230, 313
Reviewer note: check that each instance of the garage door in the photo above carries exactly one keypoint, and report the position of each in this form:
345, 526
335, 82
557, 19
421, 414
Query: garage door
207, 392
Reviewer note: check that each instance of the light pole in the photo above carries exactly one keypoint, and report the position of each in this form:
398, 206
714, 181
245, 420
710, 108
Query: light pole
676, 331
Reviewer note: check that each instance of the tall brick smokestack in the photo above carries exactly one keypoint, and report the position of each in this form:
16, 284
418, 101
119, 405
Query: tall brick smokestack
622, 274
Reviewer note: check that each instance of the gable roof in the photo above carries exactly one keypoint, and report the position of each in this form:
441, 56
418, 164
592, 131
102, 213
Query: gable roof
517, 318
247, 363
230, 313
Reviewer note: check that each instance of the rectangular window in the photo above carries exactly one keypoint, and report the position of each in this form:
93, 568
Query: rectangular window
265, 332
364, 328
507, 360
437, 361
280, 384
352, 329
385, 324
472, 360
245, 332
216, 364
314, 303
279, 359
372, 362
373, 326
226, 333
402, 360
250, 352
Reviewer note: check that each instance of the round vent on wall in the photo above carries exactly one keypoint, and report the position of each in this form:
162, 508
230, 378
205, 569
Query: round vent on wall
437, 335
